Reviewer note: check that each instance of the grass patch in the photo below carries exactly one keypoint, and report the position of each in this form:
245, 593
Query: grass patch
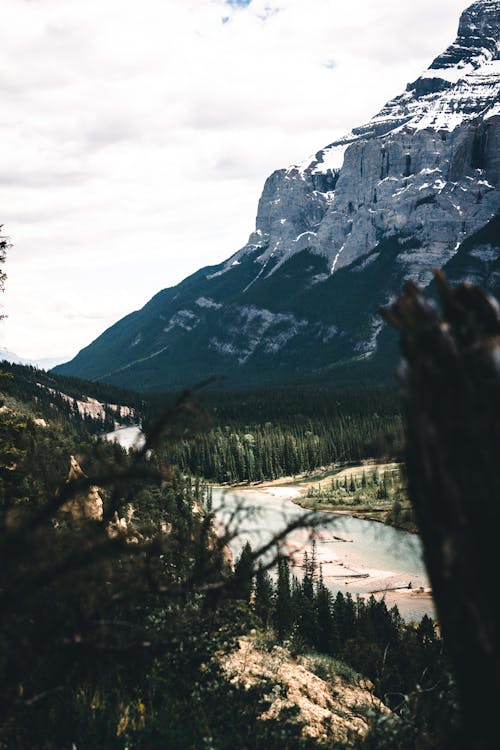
328, 668
369, 491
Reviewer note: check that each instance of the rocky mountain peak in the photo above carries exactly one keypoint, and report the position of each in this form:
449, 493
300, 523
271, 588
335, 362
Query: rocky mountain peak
477, 42
310, 206
479, 26
463, 81
337, 235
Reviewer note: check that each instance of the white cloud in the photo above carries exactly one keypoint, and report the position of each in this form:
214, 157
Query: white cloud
135, 137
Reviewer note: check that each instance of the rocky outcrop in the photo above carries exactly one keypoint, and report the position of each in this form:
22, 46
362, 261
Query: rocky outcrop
86, 504
331, 710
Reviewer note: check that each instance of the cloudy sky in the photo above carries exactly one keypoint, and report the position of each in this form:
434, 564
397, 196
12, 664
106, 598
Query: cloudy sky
135, 136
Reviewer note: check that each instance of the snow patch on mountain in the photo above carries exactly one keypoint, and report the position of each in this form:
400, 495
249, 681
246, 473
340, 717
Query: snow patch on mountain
367, 346
332, 159
452, 75
486, 253
251, 328
208, 302
329, 159
493, 111
363, 188
327, 333
184, 319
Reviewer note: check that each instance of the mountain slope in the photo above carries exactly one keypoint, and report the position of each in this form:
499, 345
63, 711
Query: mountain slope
334, 238
46, 397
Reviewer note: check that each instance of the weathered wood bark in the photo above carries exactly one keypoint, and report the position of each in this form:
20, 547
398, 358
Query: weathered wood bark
450, 381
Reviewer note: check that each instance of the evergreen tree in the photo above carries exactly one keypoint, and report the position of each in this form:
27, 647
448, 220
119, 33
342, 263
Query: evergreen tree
344, 616
263, 598
308, 617
243, 574
426, 632
282, 615
323, 602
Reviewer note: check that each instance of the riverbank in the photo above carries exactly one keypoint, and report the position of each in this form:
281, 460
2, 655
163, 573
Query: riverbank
355, 555
369, 490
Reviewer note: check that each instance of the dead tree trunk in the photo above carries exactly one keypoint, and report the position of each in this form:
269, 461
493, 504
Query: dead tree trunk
450, 380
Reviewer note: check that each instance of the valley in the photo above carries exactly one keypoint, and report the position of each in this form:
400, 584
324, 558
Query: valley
48, 419
260, 512
370, 490
355, 555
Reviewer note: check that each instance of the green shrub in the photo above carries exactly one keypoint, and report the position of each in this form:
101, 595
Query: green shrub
328, 668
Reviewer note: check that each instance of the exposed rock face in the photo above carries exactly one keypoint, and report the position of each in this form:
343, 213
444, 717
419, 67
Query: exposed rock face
426, 167
86, 504
334, 237
330, 711
91, 407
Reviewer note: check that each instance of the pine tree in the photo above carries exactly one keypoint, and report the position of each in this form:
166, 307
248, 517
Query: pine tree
308, 616
209, 500
282, 615
426, 632
344, 616
243, 574
325, 636
263, 600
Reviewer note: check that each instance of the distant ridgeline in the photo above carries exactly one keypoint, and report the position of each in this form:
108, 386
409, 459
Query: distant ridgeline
415, 188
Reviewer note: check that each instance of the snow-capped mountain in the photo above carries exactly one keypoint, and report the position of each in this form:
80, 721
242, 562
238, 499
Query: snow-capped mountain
336, 236
367, 184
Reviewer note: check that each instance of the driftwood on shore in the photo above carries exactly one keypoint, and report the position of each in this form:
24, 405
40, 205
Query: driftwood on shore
409, 587
336, 539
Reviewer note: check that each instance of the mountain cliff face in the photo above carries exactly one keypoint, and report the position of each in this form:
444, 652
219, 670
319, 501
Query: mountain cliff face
335, 237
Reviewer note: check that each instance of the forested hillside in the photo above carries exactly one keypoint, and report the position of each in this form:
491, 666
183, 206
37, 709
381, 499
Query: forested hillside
231, 436
94, 406
251, 436
146, 610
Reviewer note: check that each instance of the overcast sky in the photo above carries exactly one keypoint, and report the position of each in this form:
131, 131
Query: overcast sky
135, 137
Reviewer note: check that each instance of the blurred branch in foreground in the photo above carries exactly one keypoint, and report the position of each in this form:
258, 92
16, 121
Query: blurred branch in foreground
100, 610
